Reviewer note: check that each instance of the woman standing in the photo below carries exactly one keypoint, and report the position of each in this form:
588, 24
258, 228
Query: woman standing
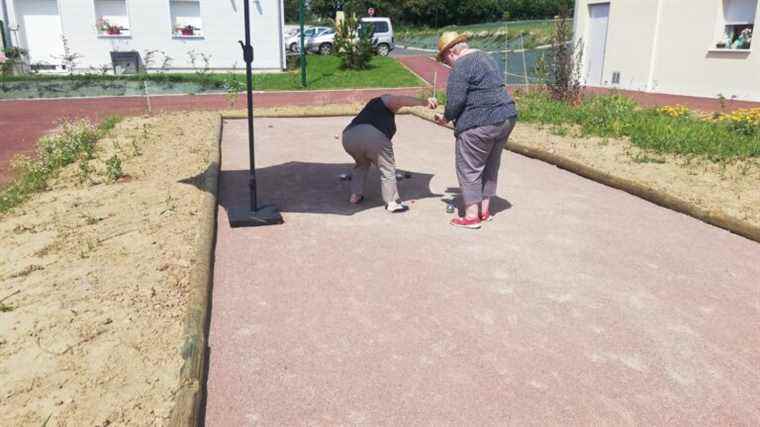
484, 115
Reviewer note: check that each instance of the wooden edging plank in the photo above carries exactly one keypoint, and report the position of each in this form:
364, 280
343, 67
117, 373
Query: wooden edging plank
189, 400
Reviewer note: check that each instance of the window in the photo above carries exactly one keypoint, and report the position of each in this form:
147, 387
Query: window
186, 18
738, 24
378, 27
112, 18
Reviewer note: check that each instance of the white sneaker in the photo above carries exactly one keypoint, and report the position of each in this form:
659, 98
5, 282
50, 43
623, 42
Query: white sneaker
396, 207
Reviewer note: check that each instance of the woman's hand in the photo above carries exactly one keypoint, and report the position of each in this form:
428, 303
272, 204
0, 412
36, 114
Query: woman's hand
432, 103
440, 119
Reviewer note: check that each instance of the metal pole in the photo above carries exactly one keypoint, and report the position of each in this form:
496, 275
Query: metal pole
248, 57
268, 214
6, 27
506, 58
435, 84
525, 64
301, 18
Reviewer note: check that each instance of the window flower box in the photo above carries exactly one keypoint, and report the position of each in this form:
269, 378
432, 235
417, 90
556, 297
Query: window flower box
187, 31
104, 27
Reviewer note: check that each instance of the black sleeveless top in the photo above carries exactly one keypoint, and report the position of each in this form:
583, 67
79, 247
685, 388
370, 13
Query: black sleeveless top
375, 113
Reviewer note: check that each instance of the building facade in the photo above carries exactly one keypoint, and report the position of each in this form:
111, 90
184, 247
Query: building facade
181, 34
682, 47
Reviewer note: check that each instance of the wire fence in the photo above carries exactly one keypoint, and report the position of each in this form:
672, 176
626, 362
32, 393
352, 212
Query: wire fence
516, 46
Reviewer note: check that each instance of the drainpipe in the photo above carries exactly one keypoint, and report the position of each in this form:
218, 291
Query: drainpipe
281, 42
655, 44
6, 26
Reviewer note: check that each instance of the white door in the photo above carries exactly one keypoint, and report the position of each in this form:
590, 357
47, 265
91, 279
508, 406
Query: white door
41, 29
597, 43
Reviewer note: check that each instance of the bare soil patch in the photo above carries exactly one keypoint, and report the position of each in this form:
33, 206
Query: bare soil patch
727, 187
97, 278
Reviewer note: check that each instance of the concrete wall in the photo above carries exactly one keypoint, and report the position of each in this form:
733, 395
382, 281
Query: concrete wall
668, 46
151, 28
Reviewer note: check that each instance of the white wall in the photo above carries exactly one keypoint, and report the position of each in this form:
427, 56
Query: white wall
677, 55
151, 28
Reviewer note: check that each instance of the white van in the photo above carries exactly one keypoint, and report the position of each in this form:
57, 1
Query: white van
383, 37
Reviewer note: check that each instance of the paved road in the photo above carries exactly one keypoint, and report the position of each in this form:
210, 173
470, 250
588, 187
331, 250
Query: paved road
400, 52
579, 304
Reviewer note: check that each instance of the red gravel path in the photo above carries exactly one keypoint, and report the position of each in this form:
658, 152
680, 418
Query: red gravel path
709, 105
578, 305
24, 122
427, 68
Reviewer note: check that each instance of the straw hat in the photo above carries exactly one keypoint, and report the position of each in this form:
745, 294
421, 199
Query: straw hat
448, 40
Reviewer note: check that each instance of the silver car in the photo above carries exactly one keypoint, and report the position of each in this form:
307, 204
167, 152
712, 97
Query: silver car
383, 37
322, 43
293, 41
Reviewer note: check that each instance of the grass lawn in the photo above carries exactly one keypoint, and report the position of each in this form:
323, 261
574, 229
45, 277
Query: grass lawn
323, 72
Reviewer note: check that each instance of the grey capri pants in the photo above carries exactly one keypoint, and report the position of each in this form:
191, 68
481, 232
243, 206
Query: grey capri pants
478, 158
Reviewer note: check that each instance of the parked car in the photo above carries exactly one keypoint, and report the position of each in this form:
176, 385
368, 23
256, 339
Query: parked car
383, 37
293, 41
322, 43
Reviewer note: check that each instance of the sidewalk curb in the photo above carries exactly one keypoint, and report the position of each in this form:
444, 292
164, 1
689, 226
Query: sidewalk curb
716, 218
189, 399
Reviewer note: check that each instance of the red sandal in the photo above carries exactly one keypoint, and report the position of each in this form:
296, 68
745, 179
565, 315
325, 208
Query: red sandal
472, 224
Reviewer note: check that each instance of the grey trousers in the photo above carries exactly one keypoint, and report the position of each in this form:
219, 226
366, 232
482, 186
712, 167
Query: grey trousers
369, 146
478, 157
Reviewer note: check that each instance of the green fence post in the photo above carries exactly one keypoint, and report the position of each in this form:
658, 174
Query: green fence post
303, 47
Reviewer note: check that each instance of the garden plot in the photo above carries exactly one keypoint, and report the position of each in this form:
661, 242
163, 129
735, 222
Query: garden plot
96, 274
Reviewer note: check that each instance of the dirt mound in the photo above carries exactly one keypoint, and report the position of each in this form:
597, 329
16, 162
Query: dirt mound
96, 279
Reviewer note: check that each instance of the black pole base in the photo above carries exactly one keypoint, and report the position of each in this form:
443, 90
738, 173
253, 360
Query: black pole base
244, 217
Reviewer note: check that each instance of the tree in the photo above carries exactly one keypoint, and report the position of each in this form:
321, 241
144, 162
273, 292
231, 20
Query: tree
563, 74
353, 44
439, 13
292, 10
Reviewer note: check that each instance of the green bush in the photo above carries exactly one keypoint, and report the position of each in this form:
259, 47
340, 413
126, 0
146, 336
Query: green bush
617, 116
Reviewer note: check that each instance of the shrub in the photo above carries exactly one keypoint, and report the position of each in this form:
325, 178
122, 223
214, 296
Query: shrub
113, 168
563, 74
353, 44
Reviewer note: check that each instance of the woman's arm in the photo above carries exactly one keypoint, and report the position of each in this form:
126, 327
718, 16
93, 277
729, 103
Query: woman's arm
396, 102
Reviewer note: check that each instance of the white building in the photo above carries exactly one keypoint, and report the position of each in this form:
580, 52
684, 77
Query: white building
681, 47
176, 29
